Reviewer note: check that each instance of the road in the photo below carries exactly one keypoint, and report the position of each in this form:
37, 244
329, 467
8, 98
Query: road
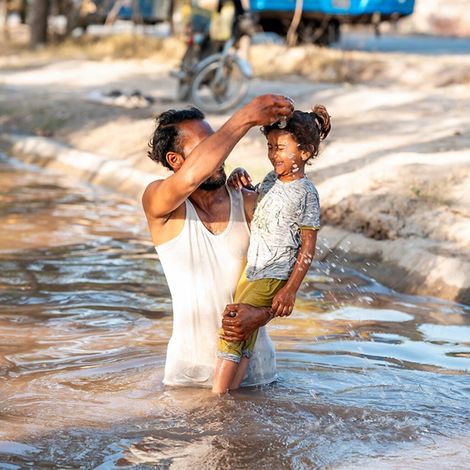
405, 44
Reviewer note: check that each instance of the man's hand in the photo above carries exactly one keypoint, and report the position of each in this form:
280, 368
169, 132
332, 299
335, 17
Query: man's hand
239, 179
246, 320
283, 302
268, 109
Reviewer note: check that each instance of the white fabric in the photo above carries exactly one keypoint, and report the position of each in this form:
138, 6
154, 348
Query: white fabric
202, 271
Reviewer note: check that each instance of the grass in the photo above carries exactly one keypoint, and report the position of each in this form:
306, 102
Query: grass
268, 61
119, 46
431, 193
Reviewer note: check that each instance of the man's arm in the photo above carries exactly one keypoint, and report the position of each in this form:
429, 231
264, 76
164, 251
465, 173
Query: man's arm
162, 197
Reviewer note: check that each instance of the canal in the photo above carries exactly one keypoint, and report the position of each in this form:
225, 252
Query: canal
366, 376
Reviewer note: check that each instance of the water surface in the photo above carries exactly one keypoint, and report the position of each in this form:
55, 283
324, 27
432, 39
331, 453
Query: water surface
367, 376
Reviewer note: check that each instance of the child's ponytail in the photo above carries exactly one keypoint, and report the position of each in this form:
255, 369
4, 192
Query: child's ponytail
322, 119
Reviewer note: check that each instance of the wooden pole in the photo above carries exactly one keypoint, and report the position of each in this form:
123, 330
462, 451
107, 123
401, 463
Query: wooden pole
292, 32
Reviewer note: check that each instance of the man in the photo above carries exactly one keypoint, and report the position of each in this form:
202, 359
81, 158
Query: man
199, 228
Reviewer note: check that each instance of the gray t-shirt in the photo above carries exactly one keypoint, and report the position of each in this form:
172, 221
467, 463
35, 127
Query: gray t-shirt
282, 209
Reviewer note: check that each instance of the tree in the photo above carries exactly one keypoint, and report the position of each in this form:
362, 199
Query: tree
38, 22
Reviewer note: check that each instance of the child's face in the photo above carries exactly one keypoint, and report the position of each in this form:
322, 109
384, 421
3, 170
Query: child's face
288, 161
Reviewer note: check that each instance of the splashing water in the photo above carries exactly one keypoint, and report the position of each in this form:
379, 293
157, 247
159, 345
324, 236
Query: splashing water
365, 375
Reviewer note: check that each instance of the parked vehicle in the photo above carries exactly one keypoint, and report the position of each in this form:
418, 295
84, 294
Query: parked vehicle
221, 80
143, 11
321, 19
198, 47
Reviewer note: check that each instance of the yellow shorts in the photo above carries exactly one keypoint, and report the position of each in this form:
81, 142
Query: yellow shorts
258, 293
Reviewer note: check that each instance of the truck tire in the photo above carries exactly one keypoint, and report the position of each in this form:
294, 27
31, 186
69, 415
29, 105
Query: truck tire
322, 33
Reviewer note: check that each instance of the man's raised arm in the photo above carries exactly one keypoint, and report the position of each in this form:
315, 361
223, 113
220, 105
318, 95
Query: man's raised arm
164, 196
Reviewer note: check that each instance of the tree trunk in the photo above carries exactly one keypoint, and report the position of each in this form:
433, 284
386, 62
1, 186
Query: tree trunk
72, 15
39, 15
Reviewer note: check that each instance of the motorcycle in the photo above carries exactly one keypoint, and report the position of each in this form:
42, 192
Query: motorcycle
198, 47
221, 80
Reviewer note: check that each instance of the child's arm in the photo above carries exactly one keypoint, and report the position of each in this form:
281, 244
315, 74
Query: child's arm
239, 179
283, 302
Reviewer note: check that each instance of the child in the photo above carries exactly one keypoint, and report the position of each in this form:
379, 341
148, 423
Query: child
283, 232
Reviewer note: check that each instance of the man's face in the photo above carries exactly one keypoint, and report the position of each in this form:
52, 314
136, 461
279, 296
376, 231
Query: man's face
192, 134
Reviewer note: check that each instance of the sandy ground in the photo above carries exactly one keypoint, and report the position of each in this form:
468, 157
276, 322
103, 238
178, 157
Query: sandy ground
394, 169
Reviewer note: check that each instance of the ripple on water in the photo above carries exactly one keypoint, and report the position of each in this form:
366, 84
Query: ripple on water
365, 374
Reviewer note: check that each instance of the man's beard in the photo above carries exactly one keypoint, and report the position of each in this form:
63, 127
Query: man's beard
215, 181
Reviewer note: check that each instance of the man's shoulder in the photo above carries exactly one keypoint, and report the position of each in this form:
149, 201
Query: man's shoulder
149, 192
153, 185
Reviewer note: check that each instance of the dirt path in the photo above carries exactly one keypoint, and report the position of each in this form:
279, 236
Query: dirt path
392, 174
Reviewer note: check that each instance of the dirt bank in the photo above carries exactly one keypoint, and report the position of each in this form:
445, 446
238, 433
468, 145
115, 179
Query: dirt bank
391, 176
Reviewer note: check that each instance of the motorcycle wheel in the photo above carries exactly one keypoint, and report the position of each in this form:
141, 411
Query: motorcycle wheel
185, 73
216, 96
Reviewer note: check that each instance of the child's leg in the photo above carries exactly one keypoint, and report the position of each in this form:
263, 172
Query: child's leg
240, 373
225, 371
247, 351
229, 354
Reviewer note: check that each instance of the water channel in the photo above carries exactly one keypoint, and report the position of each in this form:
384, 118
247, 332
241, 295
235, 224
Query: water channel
367, 377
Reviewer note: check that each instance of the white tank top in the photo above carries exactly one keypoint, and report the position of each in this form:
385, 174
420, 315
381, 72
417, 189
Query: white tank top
202, 271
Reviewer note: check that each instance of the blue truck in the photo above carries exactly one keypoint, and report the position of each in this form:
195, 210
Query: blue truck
144, 11
320, 23
322, 19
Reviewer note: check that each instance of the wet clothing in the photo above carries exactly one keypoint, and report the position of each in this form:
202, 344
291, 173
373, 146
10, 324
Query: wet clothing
282, 210
202, 271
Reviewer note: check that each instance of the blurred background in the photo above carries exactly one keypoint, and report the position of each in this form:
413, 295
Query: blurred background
373, 364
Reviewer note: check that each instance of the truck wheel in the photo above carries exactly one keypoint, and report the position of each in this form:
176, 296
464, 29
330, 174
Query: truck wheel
321, 33
330, 34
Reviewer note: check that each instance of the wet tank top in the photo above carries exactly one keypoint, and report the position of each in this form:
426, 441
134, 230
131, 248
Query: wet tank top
202, 271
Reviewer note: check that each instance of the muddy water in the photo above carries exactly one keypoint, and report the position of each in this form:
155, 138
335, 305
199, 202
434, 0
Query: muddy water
367, 377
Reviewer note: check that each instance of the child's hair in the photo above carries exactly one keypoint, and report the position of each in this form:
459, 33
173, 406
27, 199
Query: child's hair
308, 129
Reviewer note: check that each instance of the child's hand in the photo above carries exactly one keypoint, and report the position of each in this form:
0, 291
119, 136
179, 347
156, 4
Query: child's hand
239, 179
283, 302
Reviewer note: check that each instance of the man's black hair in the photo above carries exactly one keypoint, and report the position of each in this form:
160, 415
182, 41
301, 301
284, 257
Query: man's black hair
166, 137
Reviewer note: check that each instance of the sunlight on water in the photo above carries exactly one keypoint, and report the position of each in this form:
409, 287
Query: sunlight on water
366, 375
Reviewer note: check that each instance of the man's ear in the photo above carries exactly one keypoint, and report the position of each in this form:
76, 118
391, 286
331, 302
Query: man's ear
175, 160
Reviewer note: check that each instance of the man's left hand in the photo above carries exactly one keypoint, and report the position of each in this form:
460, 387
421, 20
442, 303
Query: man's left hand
246, 320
